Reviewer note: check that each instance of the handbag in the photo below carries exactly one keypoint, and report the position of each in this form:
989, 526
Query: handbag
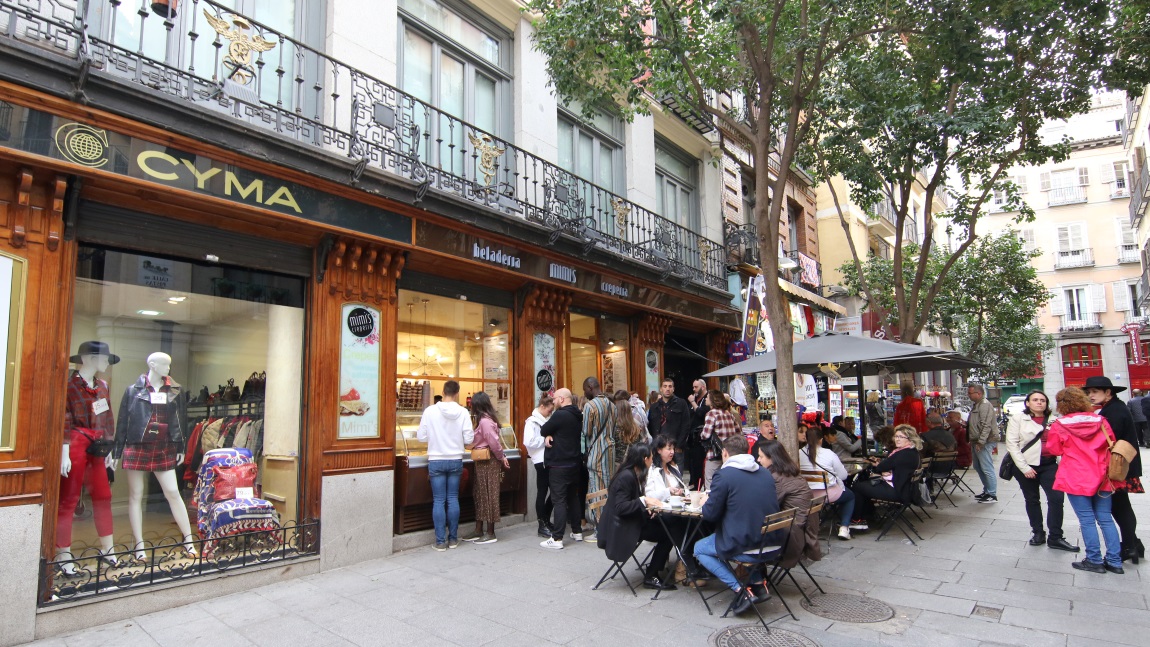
227, 479
1121, 453
480, 454
231, 392
96, 446
1007, 469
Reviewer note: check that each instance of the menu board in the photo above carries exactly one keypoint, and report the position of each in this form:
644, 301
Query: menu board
359, 360
614, 371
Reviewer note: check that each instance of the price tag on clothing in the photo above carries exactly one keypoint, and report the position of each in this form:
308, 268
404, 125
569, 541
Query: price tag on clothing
159, 398
245, 493
99, 406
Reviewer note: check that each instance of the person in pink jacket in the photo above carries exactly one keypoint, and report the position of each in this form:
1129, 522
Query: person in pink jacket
1080, 438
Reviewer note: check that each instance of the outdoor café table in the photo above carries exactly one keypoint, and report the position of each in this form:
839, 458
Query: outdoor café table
693, 518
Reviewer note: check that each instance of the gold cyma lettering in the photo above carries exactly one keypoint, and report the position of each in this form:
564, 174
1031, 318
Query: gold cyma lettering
201, 178
284, 197
144, 158
257, 186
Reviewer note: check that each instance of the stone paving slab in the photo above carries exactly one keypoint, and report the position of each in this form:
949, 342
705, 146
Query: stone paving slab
972, 582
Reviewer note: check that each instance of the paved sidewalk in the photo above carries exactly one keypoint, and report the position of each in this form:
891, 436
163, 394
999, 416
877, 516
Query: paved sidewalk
973, 581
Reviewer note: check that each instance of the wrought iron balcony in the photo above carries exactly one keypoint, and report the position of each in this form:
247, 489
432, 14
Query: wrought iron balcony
1068, 258
882, 218
809, 272
1140, 191
742, 243
248, 72
1083, 321
1066, 195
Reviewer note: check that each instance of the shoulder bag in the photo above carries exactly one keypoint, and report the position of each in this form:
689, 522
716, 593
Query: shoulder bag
1007, 469
1121, 453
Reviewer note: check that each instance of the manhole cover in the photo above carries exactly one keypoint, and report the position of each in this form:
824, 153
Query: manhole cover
844, 607
754, 635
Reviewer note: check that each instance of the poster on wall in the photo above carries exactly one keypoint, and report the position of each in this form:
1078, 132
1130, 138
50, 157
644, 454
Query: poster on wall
651, 365
495, 357
500, 395
615, 371
359, 357
544, 365
806, 391
11, 315
757, 333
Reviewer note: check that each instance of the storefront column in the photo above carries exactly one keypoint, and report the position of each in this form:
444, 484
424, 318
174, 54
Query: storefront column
32, 237
648, 336
352, 481
538, 365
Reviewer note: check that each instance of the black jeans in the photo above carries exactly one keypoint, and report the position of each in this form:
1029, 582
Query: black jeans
696, 457
1141, 427
564, 484
543, 504
652, 531
1124, 517
867, 490
1044, 480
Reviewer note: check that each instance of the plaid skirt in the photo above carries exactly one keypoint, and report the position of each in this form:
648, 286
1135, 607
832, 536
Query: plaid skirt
157, 455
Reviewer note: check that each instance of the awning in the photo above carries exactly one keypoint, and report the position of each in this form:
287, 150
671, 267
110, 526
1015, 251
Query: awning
811, 297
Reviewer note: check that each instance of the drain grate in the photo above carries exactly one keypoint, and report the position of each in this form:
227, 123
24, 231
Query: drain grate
845, 607
754, 635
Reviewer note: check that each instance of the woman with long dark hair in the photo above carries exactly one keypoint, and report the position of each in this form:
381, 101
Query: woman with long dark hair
816, 458
625, 520
792, 492
719, 424
487, 472
1035, 468
627, 430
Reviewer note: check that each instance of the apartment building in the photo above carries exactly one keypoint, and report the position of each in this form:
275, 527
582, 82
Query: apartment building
1089, 254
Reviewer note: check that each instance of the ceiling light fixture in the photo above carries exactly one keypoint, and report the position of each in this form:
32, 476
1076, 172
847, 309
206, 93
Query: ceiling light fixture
149, 313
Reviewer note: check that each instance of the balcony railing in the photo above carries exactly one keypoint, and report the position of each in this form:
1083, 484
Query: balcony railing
742, 243
1133, 104
883, 211
809, 272
250, 73
1067, 258
1138, 194
1066, 195
1128, 253
1080, 322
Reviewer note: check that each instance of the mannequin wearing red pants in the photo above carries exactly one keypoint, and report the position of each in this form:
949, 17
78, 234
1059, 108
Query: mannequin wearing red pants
88, 419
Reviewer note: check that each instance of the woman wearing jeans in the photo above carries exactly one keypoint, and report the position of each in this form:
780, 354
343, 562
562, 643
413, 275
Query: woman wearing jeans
1080, 438
1036, 468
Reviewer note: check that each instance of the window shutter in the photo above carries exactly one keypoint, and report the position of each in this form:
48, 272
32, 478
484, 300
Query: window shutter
1044, 181
1027, 236
1107, 173
1077, 235
1020, 180
1057, 302
1121, 296
1083, 176
1098, 297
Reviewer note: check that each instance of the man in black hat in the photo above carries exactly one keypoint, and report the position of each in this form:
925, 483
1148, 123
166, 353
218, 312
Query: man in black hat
1102, 393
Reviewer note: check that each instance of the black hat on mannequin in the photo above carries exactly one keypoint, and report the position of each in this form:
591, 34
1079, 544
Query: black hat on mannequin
94, 348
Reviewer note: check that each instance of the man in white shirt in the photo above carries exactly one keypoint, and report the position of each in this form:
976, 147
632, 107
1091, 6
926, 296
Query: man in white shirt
446, 427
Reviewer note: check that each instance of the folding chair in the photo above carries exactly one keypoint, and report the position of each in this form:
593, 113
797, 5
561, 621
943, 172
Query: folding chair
595, 502
817, 506
766, 556
942, 472
896, 511
959, 480
924, 466
816, 479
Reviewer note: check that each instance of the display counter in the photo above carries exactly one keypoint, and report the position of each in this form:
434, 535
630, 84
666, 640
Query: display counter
413, 488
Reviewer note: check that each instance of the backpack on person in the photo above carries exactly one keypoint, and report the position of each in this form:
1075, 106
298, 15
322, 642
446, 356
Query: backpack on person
1121, 453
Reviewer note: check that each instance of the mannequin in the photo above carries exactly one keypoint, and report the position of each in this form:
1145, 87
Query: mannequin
149, 438
87, 419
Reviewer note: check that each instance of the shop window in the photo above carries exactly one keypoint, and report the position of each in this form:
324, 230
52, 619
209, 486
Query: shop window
202, 365
1081, 356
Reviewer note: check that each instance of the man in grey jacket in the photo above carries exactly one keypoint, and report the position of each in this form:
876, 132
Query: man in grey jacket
983, 432
1137, 410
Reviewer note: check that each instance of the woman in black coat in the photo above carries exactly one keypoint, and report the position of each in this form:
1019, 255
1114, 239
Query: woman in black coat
626, 521
895, 473
1103, 393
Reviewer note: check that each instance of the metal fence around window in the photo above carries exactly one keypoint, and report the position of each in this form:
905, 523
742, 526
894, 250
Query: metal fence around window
246, 71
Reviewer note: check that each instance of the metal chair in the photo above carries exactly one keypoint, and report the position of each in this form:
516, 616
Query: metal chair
818, 479
941, 473
595, 502
895, 515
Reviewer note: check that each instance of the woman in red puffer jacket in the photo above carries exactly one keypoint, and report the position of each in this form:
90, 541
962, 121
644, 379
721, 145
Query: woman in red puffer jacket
1082, 438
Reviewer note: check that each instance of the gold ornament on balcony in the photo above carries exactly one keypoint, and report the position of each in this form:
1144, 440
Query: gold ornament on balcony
488, 153
622, 210
705, 249
242, 44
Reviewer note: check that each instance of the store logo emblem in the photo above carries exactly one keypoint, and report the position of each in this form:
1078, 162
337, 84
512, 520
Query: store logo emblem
562, 272
496, 256
82, 144
360, 322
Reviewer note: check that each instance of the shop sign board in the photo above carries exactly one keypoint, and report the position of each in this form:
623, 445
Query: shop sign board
544, 364
121, 154
359, 360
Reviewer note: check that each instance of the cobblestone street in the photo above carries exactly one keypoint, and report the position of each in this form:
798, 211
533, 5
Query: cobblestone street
972, 581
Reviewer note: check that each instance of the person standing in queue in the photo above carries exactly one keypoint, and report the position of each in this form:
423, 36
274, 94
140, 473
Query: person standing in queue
563, 459
696, 450
670, 415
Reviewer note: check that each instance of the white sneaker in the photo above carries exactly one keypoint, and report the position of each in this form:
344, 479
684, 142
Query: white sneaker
552, 544
576, 536
844, 532
592, 538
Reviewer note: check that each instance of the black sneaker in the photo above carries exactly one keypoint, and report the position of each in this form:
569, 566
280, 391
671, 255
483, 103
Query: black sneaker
743, 604
760, 592
1117, 570
1060, 543
658, 585
979, 497
990, 498
1089, 567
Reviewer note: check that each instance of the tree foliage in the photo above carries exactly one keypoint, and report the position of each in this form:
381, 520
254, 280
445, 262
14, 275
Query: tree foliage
987, 301
947, 107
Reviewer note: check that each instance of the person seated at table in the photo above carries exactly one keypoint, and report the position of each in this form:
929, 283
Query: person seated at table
938, 438
792, 492
767, 430
742, 495
894, 472
664, 480
841, 437
626, 521
816, 458
801, 432
884, 438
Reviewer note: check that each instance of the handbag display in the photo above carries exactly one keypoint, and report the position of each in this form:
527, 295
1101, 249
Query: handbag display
100, 448
1121, 453
228, 479
1007, 469
480, 454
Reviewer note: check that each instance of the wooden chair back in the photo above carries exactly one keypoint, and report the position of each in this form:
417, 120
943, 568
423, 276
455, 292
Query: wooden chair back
596, 500
814, 477
779, 521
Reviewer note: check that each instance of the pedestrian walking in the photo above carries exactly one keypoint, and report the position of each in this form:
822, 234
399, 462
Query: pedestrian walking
536, 446
983, 431
1080, 437
1103, 393
1036, 468
446, 427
